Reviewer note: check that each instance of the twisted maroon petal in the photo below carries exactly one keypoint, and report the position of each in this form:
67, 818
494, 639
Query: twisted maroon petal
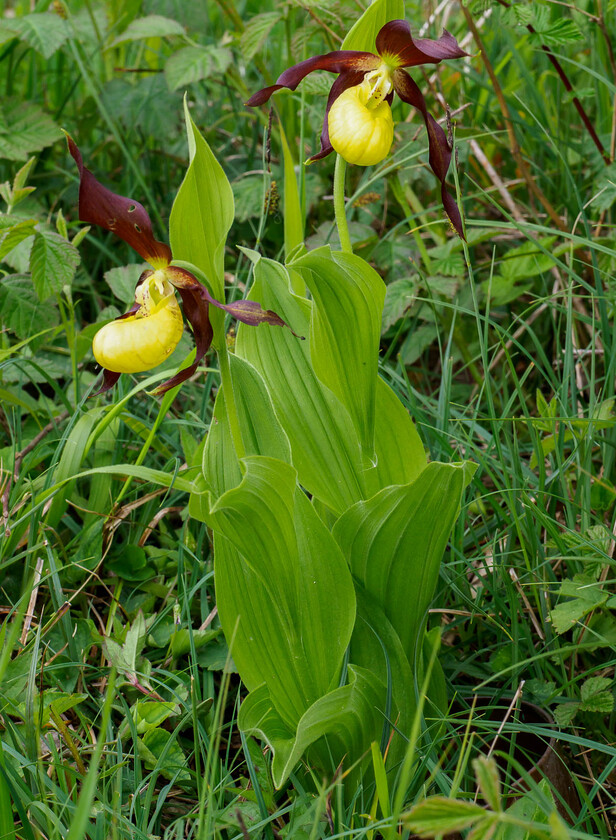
339, 61
248, 311
197, 314
439, 150
123, 216
395, 44
348, 79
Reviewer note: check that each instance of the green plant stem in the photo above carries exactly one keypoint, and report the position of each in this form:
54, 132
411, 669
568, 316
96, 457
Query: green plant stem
339, 206
227, 384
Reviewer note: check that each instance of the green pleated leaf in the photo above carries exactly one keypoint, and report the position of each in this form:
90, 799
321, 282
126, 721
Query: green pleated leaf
325, 447
400, 454
363, 34
293, 215
349, 718
394, 544
202, 215
285, 596
345, 331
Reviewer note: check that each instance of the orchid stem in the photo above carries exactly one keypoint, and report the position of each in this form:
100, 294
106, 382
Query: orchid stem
339, 205
227, 384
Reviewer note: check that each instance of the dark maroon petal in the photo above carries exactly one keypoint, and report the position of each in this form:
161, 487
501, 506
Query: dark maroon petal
342, 83
197, 315
339, 61
110, 378
439, 150
248, 311
396, 46
123, 216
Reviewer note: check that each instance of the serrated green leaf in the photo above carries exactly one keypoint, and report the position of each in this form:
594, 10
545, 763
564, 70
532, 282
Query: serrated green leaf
53, 262
24, 128
399, 296
528, 260
11, 236
257, 29
21, 310
596, 695
192, 64
150, 26
586, 593
45, 32
362, 35
556, 34
565, 712
439, 815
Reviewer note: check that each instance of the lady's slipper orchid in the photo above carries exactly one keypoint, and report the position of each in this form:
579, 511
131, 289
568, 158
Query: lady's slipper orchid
147, 334
358, 123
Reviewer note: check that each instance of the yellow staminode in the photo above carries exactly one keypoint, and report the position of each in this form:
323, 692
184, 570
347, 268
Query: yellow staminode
145, 339
361, 128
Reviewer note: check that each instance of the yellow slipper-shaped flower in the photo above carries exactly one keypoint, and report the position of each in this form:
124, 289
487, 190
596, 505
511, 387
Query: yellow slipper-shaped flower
361, 128
146, 338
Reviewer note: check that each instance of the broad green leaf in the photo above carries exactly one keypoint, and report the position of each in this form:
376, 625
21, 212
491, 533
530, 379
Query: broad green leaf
528, 260
150, 26
202, 215
53, 262
191, 64
587, 594
349, 717
293, 215
400, 454
24, 128
45, 32
123, 279
148, 714
161, 751
325, 448
345, 331
363, 34
285, 597
394, 544
257, 29
376, 646
21, 310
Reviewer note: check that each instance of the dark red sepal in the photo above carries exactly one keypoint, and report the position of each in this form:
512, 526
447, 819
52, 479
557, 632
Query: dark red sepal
342, 83
396, 44
123, 216
110, 378
196, 311
339, 61
248, 311
439, 149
